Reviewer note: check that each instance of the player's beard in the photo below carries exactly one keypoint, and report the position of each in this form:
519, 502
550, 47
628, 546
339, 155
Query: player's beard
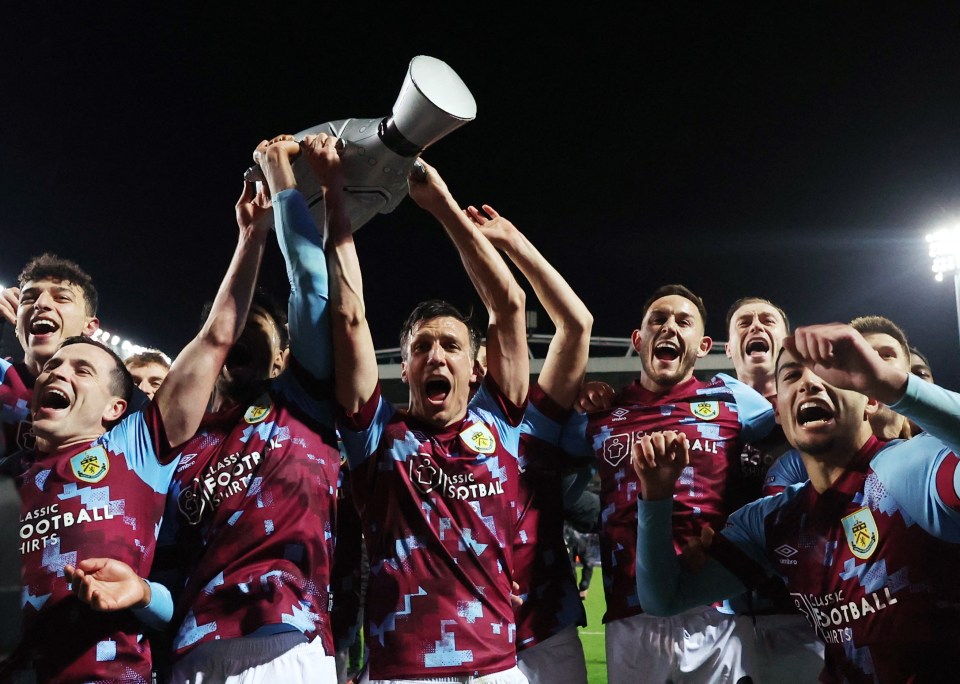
668, 377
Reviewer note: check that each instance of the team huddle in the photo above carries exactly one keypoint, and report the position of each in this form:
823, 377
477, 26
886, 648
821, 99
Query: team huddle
202, 520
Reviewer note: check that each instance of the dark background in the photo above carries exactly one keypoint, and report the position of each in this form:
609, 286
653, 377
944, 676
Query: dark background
797, 151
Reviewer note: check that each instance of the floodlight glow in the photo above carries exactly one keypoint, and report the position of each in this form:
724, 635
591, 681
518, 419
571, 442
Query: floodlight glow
944, 250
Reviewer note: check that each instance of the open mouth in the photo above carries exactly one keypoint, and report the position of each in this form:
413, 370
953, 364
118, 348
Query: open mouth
54, 399
757, 347
437, 389
666, 352
813, 414
43, 326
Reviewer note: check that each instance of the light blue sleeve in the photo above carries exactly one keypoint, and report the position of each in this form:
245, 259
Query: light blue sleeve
755, 412
908, 473
573, 436
308, 314
489, 409
159, 611
787, 470
933, 408
538, 425
132, 438
362, 444
663, 586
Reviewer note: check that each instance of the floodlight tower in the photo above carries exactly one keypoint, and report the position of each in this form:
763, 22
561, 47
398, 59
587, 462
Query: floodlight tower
945, 252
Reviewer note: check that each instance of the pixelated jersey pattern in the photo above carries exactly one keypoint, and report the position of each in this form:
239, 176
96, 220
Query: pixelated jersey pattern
708, 414
83, 502
439, 520
252, 513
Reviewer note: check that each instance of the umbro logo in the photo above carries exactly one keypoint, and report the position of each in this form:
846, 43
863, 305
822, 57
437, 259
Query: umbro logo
786, 551
620, 413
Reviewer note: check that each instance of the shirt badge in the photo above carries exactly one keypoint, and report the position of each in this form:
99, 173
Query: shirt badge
861, 531
91, 465
616, 448
259, 410
705, 410
478, 438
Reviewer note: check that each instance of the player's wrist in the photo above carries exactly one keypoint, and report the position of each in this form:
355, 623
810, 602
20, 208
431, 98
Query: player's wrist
146, 594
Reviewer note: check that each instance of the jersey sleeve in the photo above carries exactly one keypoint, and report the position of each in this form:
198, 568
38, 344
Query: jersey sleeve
663, 586
308, 312
573, 437
935, 409
361, 432
921, 476
755, 412
142, 440
787, 470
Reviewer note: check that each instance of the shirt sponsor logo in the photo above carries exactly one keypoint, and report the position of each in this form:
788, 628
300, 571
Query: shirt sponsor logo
620, 413
428, 476
221, 480
91, 466
616, 448
39, 527
861, 531
705, 410
478, 438
25, 437
259, 410
831, 614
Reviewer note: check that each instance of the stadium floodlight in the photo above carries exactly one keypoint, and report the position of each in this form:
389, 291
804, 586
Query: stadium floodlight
945, 251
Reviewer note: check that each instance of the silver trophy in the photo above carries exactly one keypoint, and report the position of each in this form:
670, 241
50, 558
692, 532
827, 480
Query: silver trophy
378, 154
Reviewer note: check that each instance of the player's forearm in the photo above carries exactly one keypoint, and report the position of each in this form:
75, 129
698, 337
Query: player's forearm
354, 355
302, 247
485, 267
935, 409
663, 587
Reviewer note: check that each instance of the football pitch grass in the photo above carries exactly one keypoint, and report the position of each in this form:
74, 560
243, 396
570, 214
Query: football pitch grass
592, 635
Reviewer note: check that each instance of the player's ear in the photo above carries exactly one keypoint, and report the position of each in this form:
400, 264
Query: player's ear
114, 410
403, 372
635, 338
706, 344
90, 326
726, 349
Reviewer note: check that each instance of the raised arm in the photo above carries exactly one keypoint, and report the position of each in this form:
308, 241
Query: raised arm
355, 359
185, 393
302, 247
566, 361
508, 361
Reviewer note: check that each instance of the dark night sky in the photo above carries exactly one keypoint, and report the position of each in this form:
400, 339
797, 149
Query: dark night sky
797, 151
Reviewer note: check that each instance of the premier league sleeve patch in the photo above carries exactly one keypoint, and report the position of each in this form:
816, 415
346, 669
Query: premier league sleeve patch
91, 465
478, 438
861, 531
705, 410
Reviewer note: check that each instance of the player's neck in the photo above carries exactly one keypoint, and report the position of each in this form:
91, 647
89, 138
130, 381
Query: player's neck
34, 364
649, 384
763, 382
826, 468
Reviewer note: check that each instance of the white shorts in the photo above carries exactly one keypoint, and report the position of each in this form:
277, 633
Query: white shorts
788, 649
700, 646
557, 660
511, 676
285, 657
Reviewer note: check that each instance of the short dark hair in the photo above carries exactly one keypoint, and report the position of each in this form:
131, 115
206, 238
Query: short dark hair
145, 358
49, 266
267, 303
681, 291
923, 357
121, 382
870, 325
760, 300
437, 308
